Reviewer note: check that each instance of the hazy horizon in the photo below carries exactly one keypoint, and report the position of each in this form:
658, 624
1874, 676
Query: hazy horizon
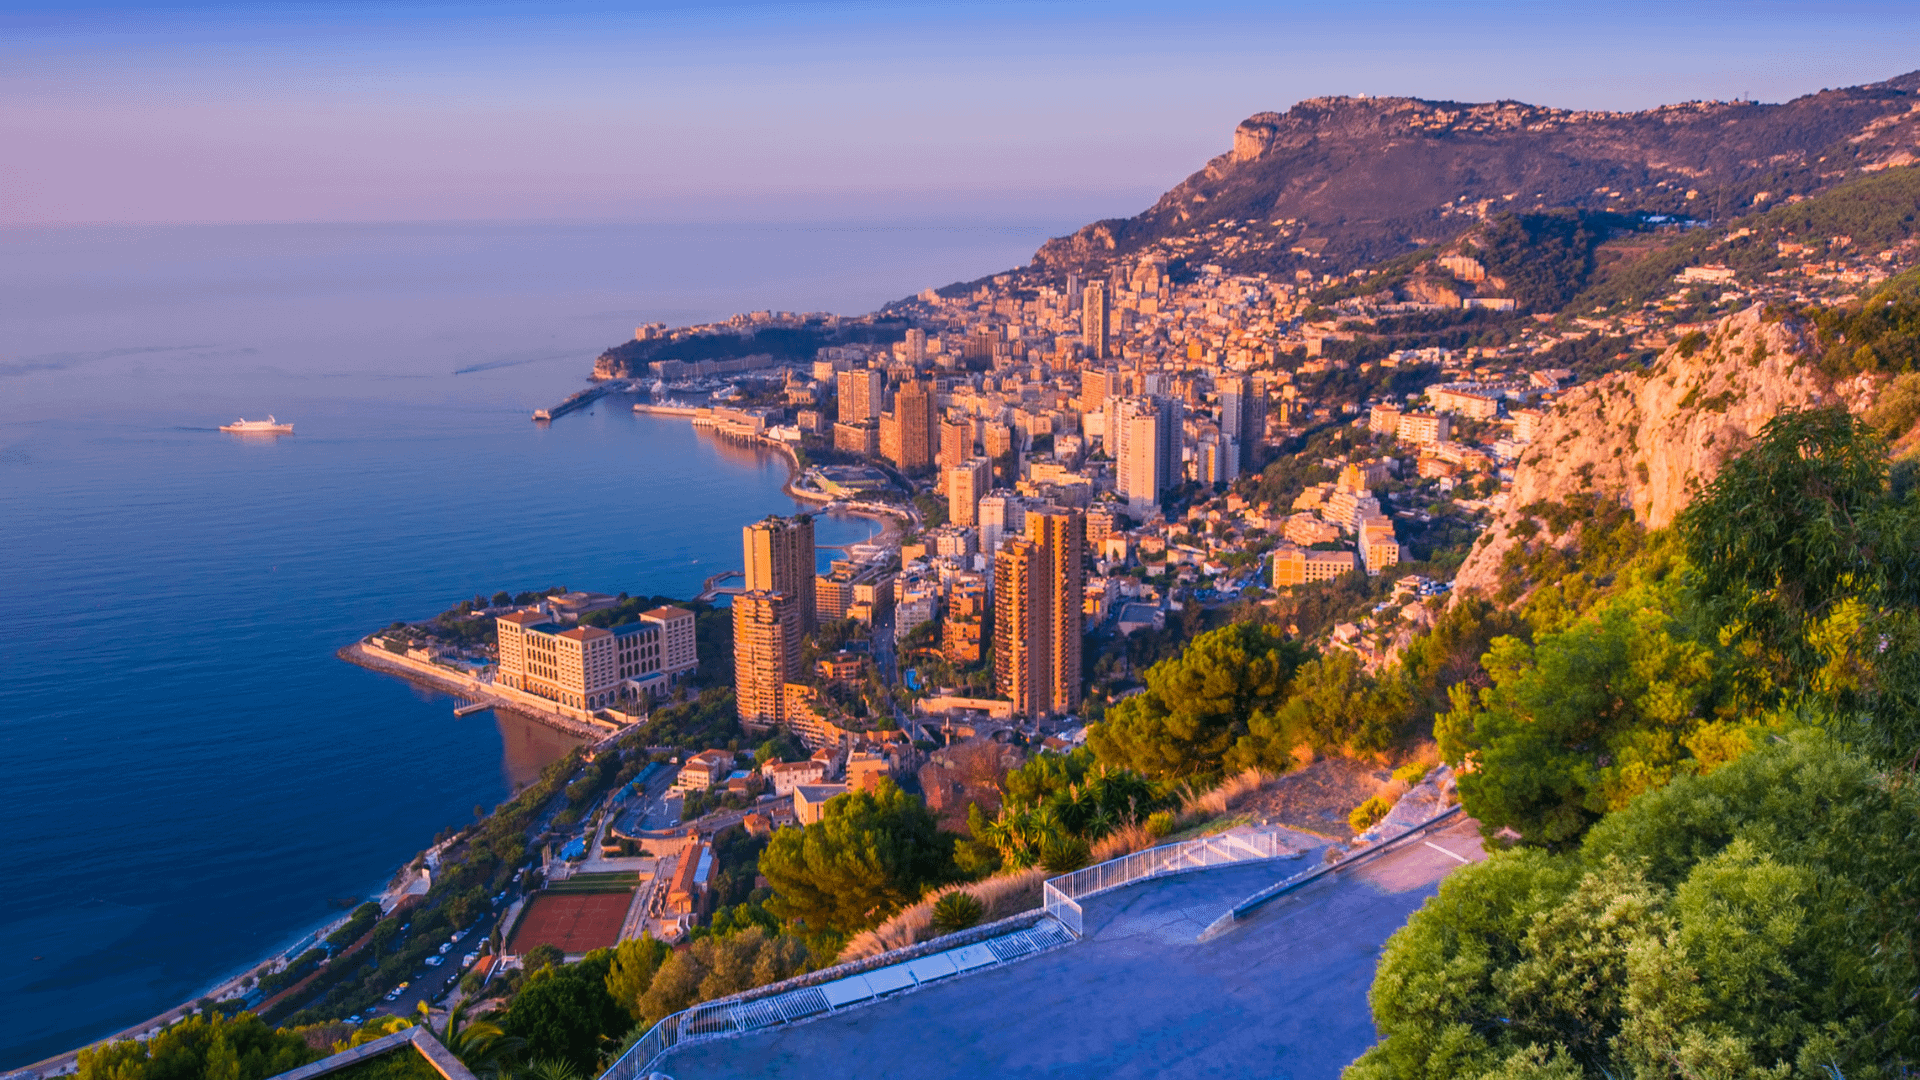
130, 113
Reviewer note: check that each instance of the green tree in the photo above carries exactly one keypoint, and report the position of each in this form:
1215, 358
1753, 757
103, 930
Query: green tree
870, 854
1806, 551
215, 1047
1198, 706
566, 1012
479, 1044
1584, 719
634, 963
1755, 921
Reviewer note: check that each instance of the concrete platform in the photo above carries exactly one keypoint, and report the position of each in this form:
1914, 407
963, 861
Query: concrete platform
1282, 994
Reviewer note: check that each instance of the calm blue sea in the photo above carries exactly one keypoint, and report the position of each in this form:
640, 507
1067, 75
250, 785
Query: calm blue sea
189, 774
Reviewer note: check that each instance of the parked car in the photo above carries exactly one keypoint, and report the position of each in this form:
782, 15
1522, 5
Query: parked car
436, 961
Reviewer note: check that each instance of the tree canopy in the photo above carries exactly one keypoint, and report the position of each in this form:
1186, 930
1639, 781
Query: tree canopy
869, 855
1198, 706
1757, 921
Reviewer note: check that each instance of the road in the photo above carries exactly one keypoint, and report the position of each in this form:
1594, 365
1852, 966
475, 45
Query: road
430, 984
1282, 994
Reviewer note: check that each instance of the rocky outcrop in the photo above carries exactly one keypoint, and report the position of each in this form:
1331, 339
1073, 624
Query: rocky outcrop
1650, 439
1373, 177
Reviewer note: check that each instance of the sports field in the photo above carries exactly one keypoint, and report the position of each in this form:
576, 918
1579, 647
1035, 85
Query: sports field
574, 922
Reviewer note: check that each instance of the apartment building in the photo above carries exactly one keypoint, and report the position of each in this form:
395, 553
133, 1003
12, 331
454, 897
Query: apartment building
1298, 566
779, 555
766, 654
1039, 613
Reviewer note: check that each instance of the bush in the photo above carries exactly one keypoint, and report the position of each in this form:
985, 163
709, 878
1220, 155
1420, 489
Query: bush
957, 910
1160, 824
1369, 813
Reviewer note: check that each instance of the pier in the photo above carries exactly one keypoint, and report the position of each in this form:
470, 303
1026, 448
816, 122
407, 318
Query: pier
712, 588
581, 400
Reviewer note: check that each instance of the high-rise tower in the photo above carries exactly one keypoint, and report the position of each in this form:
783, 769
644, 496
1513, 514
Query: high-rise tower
1039, 624
780, 558
1094, 318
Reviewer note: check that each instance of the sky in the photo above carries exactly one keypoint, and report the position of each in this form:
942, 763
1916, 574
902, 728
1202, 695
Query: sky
365, 110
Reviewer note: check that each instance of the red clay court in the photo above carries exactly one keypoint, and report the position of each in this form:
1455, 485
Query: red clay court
574, 923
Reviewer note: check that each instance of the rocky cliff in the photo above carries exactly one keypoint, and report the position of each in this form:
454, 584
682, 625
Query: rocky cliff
1648, 439
1345, 181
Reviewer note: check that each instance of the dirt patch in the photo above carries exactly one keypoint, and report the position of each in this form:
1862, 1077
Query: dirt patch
1318, 798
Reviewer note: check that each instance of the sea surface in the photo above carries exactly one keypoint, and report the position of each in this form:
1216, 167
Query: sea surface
190, 775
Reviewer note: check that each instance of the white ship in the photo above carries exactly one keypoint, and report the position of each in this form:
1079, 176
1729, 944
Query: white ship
269, 426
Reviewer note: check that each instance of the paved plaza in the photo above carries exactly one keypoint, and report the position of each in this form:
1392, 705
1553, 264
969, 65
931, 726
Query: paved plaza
1282, 994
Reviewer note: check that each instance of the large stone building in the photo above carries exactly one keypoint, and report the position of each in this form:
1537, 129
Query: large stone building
590, 667
1039, 617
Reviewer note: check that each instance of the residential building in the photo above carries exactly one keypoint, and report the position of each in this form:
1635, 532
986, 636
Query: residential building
787, 775
860, 396
1144, 436
1002, 514
956, 442
962, 632
809, 801
1298, 566
908, 433
766, 653
967, 484
780, 558
1039, 613
1096, 386
1243, 418
1378, 546
1095, 318
848, 584
861, 438
703, 770
1423, 429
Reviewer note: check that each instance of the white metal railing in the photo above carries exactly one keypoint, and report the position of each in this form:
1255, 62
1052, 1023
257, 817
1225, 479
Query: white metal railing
741, 1015
1062, 895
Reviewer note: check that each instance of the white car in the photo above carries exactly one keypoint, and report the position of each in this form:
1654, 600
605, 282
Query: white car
444, 948
436, 961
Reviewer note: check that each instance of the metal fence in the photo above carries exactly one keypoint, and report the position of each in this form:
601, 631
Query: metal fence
1062, 895
719, 1019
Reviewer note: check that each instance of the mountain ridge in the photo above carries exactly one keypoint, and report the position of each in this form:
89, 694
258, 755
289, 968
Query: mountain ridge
1334, 183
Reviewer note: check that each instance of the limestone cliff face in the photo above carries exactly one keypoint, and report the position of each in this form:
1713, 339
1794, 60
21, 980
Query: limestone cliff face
1651, 438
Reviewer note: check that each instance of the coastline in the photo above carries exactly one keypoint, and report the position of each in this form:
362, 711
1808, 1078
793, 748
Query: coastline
891, 523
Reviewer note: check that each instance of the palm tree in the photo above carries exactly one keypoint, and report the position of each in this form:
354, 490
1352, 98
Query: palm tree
548, 1069
479, 1045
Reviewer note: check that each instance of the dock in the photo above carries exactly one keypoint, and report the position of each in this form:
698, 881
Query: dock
581, 400
712, 588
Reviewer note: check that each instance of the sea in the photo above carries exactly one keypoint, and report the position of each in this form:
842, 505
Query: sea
192, 780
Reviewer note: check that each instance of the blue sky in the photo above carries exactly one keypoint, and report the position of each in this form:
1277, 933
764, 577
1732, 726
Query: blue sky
188, 112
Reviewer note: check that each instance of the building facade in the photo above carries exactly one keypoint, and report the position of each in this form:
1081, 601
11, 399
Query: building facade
590, 667
1039, 613
779, 556
766, 654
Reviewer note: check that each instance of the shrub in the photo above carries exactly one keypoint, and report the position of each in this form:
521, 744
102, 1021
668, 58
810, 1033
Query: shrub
1368, 814
1412, 772
957, 910
1064, 854
1160, 824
